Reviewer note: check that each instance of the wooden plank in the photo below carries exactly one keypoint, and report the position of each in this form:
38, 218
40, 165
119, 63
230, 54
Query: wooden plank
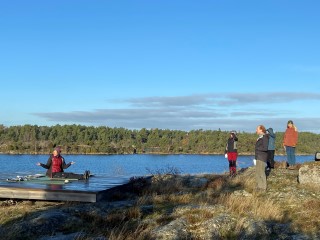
43, 188
45, 194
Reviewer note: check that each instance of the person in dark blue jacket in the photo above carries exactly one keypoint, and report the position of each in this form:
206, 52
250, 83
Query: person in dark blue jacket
271, 148
261, 156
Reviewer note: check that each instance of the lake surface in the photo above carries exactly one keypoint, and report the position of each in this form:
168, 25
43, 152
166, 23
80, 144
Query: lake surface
112, 166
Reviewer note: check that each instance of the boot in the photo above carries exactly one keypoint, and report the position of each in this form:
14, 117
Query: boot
86, 174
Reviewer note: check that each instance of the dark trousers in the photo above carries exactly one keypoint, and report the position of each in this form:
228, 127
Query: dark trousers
270, 160
68, 175
232, 167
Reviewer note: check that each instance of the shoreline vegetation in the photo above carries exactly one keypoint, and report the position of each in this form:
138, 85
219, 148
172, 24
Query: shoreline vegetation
78, 139
168, 206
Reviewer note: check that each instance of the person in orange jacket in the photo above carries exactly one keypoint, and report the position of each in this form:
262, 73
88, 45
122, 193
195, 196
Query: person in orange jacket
290, 141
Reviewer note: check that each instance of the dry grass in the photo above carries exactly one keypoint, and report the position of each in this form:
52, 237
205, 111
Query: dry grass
247, 182
172, 198
305, 215
165, 184
11, 213
11, 210
256, 207
218, 183
116, 225
283, 165
129, 231
157, 204
113, 218
198, 215
144, 200
169, 192
280, 165
312, 188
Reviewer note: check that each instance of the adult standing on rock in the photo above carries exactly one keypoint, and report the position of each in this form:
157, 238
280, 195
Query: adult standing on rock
271, 147
290, 141
261, 156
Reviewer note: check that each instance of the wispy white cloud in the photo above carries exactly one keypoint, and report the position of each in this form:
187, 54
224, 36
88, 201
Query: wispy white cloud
178, 101
279, 97
221, 99
241, 111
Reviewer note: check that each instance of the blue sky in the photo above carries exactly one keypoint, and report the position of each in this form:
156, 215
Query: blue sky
161, 64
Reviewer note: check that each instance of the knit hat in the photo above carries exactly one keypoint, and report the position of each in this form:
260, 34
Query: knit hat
58, 149
290, 122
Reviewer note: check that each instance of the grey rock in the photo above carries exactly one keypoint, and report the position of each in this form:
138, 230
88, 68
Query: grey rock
253, 229
175, 230
309, 174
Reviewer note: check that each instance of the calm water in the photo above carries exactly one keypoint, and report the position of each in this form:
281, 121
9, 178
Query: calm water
127, 165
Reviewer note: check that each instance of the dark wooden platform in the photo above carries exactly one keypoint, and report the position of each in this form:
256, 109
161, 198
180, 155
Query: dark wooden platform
89, 191
41, 194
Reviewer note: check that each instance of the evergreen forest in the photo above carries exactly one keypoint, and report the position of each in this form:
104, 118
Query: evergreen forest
79, 139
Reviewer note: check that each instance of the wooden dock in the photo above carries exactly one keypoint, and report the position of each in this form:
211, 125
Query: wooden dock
56, 192
47, 194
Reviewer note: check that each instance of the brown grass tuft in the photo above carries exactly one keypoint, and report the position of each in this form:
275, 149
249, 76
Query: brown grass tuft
165, 184
263, 208
196, 216
306, 218
248, 182
217, 184
312, 205
281, 165
129, 231
172, 198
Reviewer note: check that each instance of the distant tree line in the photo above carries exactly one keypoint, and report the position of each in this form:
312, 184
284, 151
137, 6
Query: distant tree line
78, 139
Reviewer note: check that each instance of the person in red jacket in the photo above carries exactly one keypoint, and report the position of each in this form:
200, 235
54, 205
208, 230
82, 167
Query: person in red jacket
56, 164
290, 141
231, 153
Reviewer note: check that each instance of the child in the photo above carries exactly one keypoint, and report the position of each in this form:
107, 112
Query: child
232, 153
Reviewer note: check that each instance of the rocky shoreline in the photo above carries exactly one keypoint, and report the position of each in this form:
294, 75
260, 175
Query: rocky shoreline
173, 206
